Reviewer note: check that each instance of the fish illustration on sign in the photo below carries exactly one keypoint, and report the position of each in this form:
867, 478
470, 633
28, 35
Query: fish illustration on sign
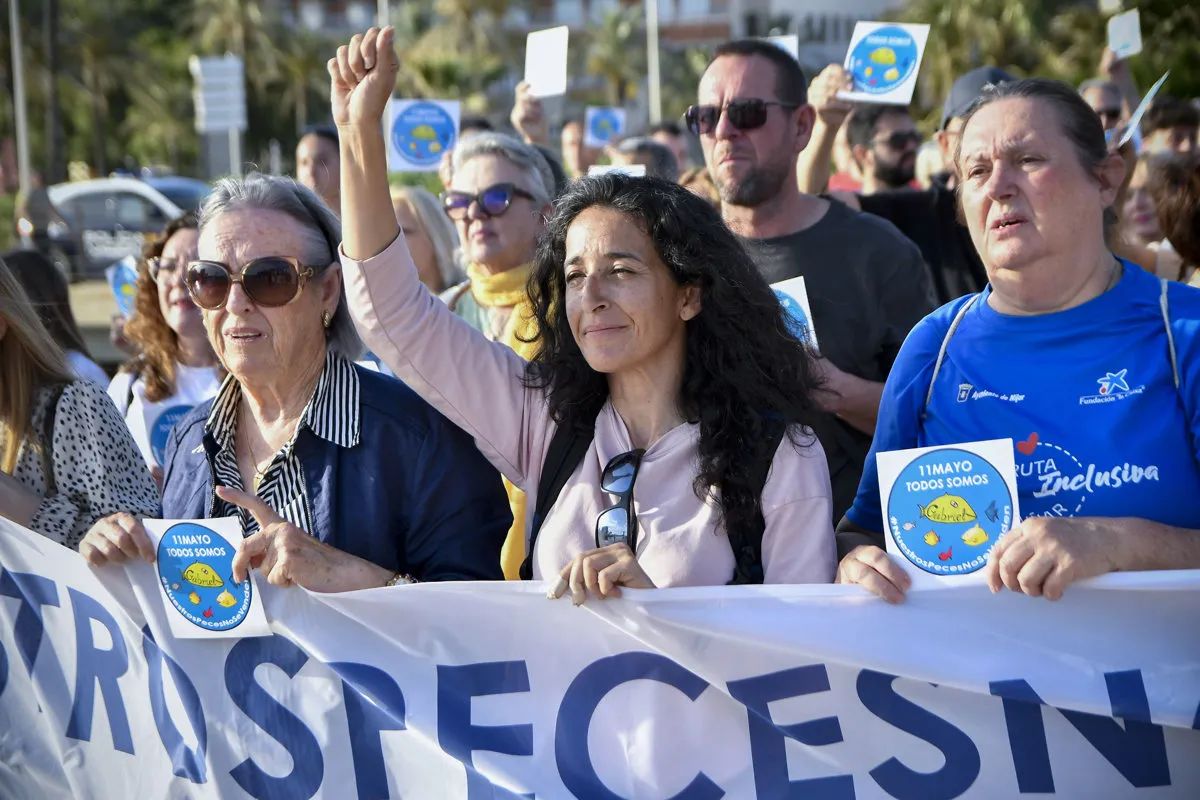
884, 56
991, 513
194, 598
946, 556
975, 536
948, 508
425, 132
199, 574
226, 600
908, 526
931, 539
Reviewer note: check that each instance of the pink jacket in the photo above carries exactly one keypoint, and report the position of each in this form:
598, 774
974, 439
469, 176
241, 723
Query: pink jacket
477, 385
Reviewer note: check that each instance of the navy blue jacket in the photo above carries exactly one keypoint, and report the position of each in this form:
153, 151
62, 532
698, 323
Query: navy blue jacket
414, 496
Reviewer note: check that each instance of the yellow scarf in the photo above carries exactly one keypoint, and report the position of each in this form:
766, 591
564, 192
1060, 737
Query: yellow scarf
507, 290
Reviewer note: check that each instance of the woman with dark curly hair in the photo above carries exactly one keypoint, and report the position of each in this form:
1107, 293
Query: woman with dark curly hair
661, 350
175, 368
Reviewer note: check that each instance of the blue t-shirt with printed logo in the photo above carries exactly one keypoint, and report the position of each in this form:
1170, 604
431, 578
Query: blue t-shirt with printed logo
1087, 395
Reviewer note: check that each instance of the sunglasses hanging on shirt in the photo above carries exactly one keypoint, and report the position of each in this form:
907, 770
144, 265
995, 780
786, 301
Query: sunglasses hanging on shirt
618, 523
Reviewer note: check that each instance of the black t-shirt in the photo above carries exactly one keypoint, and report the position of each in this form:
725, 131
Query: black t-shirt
929, 217
867, 287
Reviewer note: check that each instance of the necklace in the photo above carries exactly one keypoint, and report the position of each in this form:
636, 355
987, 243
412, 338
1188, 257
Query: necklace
259, 472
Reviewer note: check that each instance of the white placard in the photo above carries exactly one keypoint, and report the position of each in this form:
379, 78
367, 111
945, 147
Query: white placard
603, 125
946, 507
793, 296
1125, 34
884, 58
632, 170
1132, 130
194, 567
420, 133
789, 43
546, 62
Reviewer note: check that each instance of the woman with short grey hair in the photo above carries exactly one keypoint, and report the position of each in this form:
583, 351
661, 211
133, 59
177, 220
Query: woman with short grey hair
499, 198
342, 478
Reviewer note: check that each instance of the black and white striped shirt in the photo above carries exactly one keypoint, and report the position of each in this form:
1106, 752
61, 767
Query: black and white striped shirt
332, 413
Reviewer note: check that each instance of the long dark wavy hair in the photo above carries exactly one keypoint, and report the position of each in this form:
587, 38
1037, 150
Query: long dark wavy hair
744, 367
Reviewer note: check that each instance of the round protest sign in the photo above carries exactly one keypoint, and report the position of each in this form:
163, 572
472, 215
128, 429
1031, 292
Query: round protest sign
797, 320
946, 510
422, 133
195, 567
161, 429
604, 124
883, 59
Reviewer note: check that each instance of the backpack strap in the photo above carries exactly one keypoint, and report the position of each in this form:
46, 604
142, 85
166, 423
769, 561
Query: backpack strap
47, 437
747, 542
941, 356
1166, 315
568, 446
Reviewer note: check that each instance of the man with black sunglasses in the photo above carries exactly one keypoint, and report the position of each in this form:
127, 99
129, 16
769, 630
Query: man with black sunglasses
884, 141
867, 285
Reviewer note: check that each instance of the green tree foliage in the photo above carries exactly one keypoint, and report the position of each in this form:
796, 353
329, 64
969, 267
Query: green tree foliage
124, 89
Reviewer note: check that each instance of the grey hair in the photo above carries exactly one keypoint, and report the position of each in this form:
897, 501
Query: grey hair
322, 233
662, 160
428, 211
539, 179
1098, 83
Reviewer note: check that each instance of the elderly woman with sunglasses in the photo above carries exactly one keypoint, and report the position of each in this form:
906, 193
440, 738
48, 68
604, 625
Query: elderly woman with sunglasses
342, 478
498, 199
664, 359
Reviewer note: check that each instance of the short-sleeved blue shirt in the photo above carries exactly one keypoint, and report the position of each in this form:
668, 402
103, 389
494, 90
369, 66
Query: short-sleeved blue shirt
1087, 395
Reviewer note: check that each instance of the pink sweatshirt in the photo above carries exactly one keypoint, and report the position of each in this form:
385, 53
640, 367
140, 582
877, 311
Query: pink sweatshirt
477, 384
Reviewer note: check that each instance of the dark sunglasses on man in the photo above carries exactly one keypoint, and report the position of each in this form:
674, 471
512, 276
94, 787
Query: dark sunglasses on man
900, 140
493, 201
270, 281
618, 523
745, 115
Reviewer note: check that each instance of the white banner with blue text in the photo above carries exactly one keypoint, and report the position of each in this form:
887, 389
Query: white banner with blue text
476, 690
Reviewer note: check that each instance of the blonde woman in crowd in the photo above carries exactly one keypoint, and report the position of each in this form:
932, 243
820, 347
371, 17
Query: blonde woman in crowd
66, 459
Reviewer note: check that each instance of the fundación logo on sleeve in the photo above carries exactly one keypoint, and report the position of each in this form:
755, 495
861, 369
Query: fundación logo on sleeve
1113, 387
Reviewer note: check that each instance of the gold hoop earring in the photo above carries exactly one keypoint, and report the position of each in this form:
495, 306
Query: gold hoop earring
326, 319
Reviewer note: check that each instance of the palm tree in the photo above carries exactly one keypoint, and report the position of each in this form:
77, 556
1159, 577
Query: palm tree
97, 35
55, 167
302, 66
616, 53
239, 27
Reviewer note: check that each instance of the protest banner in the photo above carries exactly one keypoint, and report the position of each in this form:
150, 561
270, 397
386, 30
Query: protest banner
474, 690
420, 132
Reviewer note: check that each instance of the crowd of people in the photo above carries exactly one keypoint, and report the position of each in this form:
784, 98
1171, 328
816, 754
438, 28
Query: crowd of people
590, 380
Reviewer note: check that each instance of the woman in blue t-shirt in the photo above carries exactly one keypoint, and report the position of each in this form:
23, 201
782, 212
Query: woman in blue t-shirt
1088, 363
